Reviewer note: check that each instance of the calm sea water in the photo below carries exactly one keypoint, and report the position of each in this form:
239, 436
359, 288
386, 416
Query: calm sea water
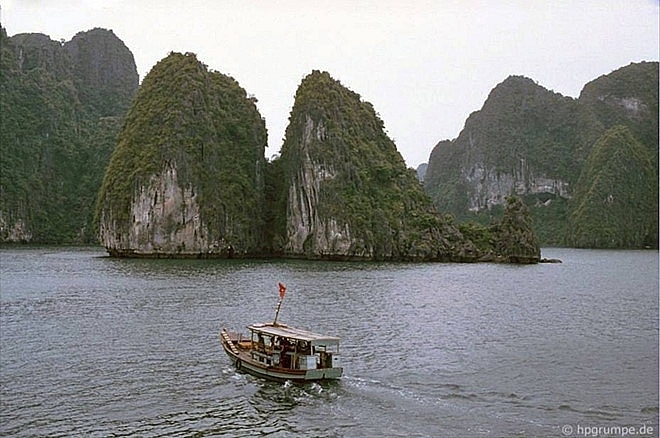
94, 346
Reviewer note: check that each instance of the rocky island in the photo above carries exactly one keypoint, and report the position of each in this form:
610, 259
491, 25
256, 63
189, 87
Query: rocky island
188, 178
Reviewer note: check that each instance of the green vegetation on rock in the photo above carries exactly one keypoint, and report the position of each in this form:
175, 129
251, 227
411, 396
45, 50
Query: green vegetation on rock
525, 141
628, 96
534, 143
201, 125
356, 178
615, 205
516, 241
511, 239
178, 169
350, 194
55, 145
371, 188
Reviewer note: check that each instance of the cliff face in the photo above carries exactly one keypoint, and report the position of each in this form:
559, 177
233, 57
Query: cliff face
36, 50
186, 178
54, 143
103, 70
97, 63
306, 229
533, 143
166, 220
524, 141
350, 195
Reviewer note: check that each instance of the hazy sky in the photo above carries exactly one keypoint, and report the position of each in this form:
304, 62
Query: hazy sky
424, 65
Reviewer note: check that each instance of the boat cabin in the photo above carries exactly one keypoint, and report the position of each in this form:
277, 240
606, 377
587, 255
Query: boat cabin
277, 345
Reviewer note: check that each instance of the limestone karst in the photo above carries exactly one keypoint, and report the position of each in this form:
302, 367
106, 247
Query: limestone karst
186, 177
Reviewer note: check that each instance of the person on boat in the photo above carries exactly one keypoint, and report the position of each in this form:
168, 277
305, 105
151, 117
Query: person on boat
285, 361
305, 347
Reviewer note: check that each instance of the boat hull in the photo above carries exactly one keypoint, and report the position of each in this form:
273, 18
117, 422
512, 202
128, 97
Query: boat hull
242, 361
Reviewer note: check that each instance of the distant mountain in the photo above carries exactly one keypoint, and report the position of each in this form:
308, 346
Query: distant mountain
534, 143
62, 105
629, 97
103, 71
187, 175
421, 171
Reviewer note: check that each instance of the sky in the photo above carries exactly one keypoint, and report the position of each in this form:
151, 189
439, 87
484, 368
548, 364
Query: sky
424, 65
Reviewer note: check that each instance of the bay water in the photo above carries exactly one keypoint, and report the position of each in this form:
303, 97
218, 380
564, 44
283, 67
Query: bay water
95, 346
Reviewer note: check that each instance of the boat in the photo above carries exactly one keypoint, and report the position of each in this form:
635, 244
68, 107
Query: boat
278, 352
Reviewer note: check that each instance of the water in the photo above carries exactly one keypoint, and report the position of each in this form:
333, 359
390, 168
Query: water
93, 346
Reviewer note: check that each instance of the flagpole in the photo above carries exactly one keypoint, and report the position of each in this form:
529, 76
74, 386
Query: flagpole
279, 303
277, 312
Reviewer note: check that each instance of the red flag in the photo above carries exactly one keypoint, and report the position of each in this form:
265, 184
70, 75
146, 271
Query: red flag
282, 290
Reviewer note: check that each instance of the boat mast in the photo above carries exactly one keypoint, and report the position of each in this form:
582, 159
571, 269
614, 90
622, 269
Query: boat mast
279, 303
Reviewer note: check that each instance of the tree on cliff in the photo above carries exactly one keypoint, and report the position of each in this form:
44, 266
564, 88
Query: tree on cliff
186, 177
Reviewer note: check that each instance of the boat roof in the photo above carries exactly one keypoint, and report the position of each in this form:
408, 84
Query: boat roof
285, 331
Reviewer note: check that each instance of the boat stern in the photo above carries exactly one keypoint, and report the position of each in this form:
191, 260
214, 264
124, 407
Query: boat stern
324, 374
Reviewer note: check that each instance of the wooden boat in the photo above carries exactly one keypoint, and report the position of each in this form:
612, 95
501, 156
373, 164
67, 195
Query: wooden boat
279, 352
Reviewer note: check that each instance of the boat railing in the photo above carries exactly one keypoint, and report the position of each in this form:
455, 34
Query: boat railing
228, 341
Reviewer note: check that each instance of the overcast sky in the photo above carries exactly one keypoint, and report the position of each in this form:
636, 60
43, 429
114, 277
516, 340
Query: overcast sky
424, 65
